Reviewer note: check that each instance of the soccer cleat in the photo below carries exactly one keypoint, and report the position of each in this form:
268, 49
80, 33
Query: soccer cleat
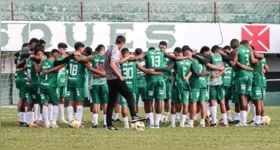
33, 126
104, 126
223, 124
251, 122
150, 127
147, 120
81, 126
213, 125
46, 126
164, 120
244, 125
182, 125
177, 120
254, 124
126, 126
94, 126
238, 125
230, 121
117, 121
22, 124
202, 125
172, 126
137, 118
39, 123
236, 121
111, 128
189, 125
64, 122
156, 126
54, 126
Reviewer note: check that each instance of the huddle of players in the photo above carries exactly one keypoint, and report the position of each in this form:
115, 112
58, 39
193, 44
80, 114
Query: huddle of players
227, 74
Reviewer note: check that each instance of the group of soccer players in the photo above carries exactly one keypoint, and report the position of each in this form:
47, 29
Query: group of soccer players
184, 82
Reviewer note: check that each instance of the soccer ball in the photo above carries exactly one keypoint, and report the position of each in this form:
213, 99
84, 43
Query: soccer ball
139, 126
267, 120
75, 124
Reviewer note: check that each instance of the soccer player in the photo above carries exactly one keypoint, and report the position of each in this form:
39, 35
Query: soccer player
43, 43
33, 97
167, 75
61, 81
48, 86
156, 88
21, 80
258, 89
129, 72
199, 93
244, 56
98, 87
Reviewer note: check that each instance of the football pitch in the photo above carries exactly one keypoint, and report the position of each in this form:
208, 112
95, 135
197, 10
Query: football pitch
64, 137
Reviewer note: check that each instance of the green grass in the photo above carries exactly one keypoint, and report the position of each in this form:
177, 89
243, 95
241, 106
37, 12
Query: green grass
64, 137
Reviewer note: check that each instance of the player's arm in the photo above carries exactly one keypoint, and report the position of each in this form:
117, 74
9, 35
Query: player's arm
265, 68
173, 57
64, 60
38, 66
213, 76
258, 55
226, 58
207, 62
56, 68
188, 76
82, 59
89, 67
21, 64
130, 57
203, 73
238, 64
147, 71
142, 55
235, 58
253, 59
168, 68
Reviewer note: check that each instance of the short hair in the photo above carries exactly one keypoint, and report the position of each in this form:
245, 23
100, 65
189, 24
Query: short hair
227, 47
33, 40
233, 43
124, 51
120, 39
62, 45
204, 49
78, 45
138, 51
152, 48
214, 48
54, 52
24, 44
41, 41
88, 50
253, 47
178, 50
163, 43
99, 47
38, 48
244, 42
185, 48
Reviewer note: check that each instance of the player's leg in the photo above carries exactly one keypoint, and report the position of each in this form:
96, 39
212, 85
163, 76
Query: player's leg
213, 103
104, 100
241, 85
70, 103
45, 110
167, 103
228, 93
198, 109
175, 98
221, 99
80, 97
185, 96
113, 92
62, 91
123, 104
95, 100
21, 104
203, 97
117, 112
160, 94
53, 99
257, 96
195, 94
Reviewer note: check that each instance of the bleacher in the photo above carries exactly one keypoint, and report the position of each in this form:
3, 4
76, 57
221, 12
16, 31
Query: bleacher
142, 12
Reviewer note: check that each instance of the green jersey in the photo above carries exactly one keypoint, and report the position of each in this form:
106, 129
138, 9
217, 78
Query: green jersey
140, 74
259, 79
198, 82
227, 76
31, 74
97, 62
182, 69
61, 77
244, 58
48, 80
154, 60
76, 75
218, 61
129, 73
21, 52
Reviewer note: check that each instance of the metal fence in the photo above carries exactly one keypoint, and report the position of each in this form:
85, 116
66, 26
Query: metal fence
228, 12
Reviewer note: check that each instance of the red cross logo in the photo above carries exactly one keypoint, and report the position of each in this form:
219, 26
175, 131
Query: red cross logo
258, 36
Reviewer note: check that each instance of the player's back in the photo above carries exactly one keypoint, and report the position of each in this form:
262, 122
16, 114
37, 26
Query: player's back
182, 68
48, 80
227, 76
129, 72
32, 75
97, 62
198, 82
76, 75
218, 61
154, 59
244, 58
62, 74
259, 79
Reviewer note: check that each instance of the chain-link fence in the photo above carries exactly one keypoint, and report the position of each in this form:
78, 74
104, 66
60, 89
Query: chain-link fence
228, 12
